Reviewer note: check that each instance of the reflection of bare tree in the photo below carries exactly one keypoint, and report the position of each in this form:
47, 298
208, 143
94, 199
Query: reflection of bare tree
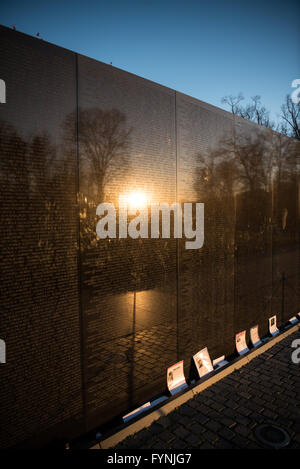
104, 156
231, 167
247, 164
216, 173
290, 114
38, 243
14, 176
250, 189
103, 140
103, 147
251, 165
36, 177
285, 155
103, 143
253, 158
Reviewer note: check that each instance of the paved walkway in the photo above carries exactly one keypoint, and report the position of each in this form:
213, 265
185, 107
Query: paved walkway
225, 415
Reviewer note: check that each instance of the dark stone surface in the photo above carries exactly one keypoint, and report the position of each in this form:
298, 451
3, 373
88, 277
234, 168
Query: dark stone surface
128, 286
41, 386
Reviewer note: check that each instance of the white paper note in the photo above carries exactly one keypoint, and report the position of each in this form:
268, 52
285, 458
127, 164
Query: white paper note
203, 362
240, 343
273, 326
175, 378
254, 337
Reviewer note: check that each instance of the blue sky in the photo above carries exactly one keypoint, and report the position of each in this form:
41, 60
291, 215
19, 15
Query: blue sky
206, 49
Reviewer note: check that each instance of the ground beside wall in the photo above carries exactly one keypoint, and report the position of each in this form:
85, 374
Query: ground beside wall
226, 414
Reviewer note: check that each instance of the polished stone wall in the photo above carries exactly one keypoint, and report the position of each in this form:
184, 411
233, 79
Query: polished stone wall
41, 382
91, 325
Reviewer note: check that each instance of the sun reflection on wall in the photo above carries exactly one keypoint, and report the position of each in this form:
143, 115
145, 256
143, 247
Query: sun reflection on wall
135, 200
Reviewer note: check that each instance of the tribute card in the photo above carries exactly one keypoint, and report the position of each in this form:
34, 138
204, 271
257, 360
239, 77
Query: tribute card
203, 362
254, 337
175, 378
240, 343
273, 326
293, 320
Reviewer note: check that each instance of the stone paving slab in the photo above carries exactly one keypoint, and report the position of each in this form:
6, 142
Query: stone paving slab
266, 390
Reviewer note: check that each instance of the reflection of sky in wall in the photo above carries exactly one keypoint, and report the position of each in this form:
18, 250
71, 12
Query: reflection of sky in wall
204, 49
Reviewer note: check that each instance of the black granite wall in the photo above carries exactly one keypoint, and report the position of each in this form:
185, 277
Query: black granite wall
41, 383
91, 325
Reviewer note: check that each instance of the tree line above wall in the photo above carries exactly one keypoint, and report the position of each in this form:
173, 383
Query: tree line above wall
255, 111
